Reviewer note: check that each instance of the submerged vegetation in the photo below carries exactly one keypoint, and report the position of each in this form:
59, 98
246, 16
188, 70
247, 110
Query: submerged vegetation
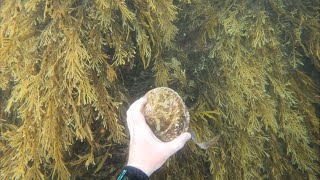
248, 70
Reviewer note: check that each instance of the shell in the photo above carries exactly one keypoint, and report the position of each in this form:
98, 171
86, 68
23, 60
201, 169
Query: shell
166, 113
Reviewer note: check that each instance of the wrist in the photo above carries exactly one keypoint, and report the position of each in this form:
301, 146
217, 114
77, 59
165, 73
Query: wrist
130, 172
141, 167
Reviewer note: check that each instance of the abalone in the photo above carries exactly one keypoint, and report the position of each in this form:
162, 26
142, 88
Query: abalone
166, 113
167, 116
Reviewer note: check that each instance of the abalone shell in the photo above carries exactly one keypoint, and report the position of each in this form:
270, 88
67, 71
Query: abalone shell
165, 113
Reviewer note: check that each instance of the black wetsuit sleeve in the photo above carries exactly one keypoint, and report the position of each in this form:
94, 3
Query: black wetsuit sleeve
132, 173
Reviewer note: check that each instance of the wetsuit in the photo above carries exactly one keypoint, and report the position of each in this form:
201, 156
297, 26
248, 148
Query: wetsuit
132, 173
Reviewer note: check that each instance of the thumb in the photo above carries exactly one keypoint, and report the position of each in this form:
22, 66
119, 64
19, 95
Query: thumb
176, 144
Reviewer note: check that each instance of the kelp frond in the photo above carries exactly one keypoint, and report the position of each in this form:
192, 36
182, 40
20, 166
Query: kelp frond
247, 70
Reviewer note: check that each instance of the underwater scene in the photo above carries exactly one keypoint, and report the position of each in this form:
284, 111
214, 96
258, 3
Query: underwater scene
248, 72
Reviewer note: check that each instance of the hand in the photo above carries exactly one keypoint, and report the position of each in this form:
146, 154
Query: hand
146, 151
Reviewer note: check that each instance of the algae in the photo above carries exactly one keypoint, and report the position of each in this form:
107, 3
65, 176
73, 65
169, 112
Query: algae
248, 70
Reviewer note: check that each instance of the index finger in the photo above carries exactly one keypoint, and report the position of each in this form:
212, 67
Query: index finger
138, 104
134, 113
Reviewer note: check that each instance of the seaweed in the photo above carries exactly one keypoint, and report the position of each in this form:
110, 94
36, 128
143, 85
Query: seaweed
247, 70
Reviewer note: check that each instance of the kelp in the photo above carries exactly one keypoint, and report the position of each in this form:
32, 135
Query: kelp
247, 70
63, 59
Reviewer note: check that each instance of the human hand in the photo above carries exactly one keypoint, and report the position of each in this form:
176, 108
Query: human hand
146, 151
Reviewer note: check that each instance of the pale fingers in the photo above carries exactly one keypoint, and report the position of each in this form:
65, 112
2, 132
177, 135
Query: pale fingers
178, 143
134, 114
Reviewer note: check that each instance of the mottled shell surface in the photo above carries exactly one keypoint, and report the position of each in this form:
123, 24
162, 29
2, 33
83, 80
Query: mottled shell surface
166, 113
